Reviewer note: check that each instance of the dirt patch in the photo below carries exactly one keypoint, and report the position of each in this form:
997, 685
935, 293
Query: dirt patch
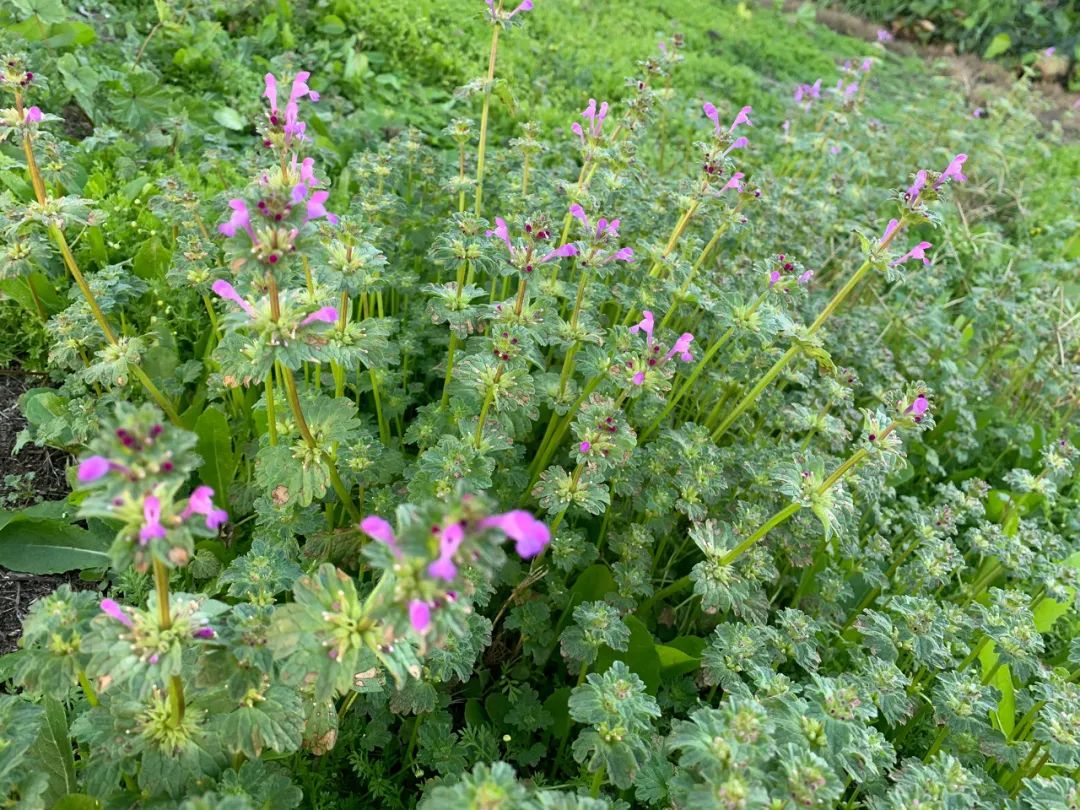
35, 474
981, 80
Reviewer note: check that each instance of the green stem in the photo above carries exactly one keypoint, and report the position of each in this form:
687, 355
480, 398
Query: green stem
597, 782
305, 432
271, 409
484, 117
88, 690
384, 427
176, 686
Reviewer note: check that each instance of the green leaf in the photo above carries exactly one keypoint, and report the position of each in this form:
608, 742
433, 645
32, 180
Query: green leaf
48, 11
1003, 682
215, 448
77, 801
151, 260
998, 45
37, 544
53, 750
230, 119
674, 662
557, 705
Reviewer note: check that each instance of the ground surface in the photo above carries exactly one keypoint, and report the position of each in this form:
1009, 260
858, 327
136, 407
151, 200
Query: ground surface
18, 489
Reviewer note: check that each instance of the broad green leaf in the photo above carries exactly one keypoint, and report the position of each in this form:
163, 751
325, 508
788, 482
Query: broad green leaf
151, 260
53, 750
674, 662
230, 119
215, 448
640, 655
50, 545
557, 705
77, 801
1002, 681
998, 45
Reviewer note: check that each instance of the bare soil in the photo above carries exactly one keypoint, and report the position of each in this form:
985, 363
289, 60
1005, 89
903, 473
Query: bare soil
18, 591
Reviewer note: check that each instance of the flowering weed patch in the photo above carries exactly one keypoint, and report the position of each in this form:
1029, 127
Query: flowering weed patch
695, 452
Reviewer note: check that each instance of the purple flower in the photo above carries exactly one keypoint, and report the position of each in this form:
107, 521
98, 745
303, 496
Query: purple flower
646, 326
774, 278
113, 609
735, 182
978, 112
292, 126
917, 252
450, 539
93, 468
884, 36
419, 615
952, 172
834, 149
226, 290
918, 407
524, 5
521, 256
890, 231
604, 232
638, 379
200, 502
595, 117
316, 208
205, 632
240, 220
324, 315
682, 348
808, 91
739, 143
866, 65
584, 447
377, 528
742, 117
152, 527
850, 91
916, 187
805, 276
1049, 51
33, 115
529, 534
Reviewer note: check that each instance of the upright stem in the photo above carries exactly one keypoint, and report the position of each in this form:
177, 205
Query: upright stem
43, 316
176, 686
271, 409
484, 117
309, 440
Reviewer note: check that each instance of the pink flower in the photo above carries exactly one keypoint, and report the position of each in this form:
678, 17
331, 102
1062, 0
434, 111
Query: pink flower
33, 115
952, 172
884, 36
743, 117
200, 502
604, 232
917, 252
419, 615
377, 528
529, 534
93, 468
805, 276
501, 231
774, 278
682, 348
584, 447
559, 253
739, 143
113, 609
595, 118
867, 64
918, 407
316, 208
638, 379
204, 632
240, 220
890, 231
978, 112
324, 315
646, 325
525, 5
152, 528
1050, 51
916, 187
226, 290
450, 540
735, 182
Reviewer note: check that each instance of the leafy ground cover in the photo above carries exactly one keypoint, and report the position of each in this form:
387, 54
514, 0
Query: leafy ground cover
568, 404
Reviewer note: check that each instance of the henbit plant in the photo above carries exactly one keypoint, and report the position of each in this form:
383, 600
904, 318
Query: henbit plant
729, 602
